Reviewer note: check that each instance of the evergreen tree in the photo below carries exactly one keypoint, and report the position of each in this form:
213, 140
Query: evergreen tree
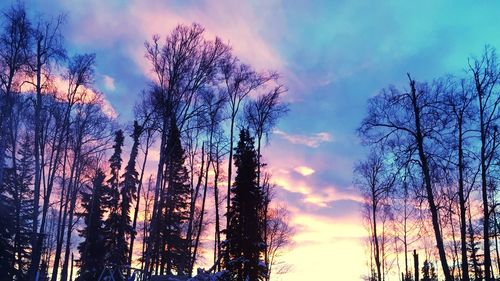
428, 271
6, 229
116, 243
22, 197
244, 243
176, 255
474, 250
475, 258
129, 184
16, 209
91, 249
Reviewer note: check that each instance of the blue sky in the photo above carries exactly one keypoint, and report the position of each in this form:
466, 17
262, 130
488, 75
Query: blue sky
332, 55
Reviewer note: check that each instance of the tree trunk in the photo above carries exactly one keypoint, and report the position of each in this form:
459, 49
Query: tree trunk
145, 226
154, 217
217, 250
496, 241
73, 191
376, 242
461, 201
193, 205
415, 264
486, 215
37, 236
428, 184
200, 224
61, 219
230, 168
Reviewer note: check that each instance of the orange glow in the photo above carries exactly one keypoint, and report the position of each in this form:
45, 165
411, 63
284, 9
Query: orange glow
305, 171
322, 245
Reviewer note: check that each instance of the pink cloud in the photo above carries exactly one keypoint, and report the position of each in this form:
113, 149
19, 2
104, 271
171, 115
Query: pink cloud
84, 95
238, 23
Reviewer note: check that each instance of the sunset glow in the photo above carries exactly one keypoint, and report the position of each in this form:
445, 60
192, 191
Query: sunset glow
331, 57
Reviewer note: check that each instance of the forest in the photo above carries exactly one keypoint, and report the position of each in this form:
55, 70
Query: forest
77, 200
256, 141
430, 181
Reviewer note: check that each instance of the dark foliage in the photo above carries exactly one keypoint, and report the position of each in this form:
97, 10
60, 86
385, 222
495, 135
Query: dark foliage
244, 242
91, 249
116, 243
176, 214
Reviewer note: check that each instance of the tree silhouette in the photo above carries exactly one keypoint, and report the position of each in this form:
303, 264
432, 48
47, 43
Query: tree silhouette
129, 186
244, 243
410, 122
116, 243
176, 255
428, 272
92, 248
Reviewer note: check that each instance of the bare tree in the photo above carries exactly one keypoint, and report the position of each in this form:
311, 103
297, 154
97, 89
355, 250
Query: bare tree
213, 105
262, 115
485, 74
279, 239
92, 133
219, 152
409, 123
14, 43
79, 75
239, 80
183, 65
48, 49
147, 211
376, 183
405, 221
458, 105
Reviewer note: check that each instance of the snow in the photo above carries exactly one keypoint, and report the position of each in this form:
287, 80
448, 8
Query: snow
201, 275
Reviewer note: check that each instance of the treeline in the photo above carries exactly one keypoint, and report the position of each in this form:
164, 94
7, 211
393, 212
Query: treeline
74, 196
430, 181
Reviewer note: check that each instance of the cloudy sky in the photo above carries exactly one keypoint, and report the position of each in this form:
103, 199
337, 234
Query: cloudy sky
332, 55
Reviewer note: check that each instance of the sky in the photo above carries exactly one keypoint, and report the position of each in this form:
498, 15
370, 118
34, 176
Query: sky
332, 56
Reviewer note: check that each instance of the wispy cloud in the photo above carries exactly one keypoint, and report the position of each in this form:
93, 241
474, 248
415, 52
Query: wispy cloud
321, 197
130, 25
308, 140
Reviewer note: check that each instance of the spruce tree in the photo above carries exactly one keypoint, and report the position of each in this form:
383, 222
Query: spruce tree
428, 271
16, 209
22, 197
176, 255
6, 229
244, 242
116, 244
129, 184
91, 249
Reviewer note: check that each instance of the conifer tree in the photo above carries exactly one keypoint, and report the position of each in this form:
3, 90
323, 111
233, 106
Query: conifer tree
116, 243
176, 256
91, 249
428, 271
22, 197
245, 244
6, 229
16, 209
129, 185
